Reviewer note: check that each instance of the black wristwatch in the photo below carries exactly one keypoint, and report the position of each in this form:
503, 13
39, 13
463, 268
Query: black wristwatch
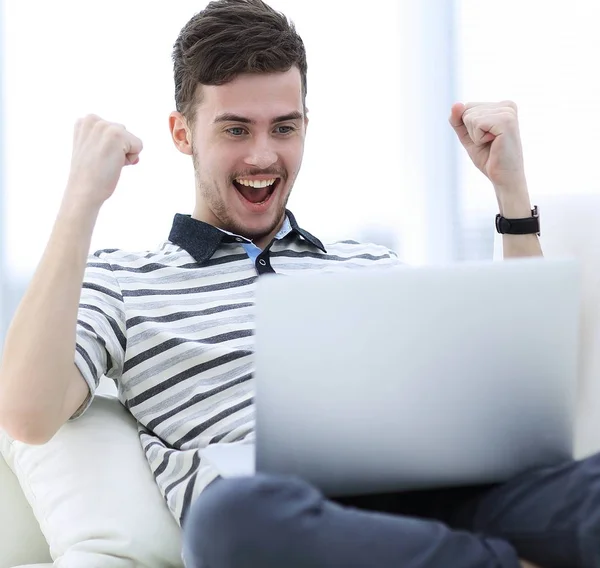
527, 226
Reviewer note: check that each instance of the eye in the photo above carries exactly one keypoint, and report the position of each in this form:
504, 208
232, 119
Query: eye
236, 131
285, 129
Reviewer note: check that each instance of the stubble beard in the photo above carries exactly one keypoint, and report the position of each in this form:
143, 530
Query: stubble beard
210, 195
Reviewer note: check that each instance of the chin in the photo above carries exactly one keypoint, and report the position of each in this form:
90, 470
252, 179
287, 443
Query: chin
252, 227
252, 223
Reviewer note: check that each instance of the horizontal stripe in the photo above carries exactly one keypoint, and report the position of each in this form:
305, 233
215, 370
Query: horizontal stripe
88, 361
183, 332
163, 464
191, 470
187, 497
331, 257
196, 399
196, 290
101, 340
118, 334
178, 316
102, 290
170, 382
176, 341
195, 432
219, 261
148, 268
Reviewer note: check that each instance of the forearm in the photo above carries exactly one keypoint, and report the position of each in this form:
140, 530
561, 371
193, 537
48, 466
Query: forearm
40, 343
515, 204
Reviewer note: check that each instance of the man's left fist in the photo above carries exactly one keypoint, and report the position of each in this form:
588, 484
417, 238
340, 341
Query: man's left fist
490, 134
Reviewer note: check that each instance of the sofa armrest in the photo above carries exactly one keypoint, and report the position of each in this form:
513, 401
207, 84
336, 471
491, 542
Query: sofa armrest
21, 540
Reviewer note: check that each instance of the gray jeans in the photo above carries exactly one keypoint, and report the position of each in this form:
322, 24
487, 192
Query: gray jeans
550, 517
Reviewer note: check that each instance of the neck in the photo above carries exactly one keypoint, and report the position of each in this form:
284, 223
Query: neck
201, 214
262, 242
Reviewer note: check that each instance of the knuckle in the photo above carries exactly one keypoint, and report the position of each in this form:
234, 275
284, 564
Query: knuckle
114, 132
99, 127
91, 119
84, 121
510, 117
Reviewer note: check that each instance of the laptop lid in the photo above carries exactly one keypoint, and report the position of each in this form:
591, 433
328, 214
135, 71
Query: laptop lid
404, 378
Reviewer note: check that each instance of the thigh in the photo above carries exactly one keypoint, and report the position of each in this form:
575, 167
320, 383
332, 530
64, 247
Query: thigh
551, 516
433, 504
281, 521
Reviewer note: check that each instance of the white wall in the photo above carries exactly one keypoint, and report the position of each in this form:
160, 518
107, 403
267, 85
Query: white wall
3, 269
113, 58
544, 56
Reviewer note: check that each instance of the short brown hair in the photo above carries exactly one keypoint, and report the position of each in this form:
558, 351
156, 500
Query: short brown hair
231, 37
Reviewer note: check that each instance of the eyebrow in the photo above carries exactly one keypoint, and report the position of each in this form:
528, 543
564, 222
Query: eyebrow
230, 117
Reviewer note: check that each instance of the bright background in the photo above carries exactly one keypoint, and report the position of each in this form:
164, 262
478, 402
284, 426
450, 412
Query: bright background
381, 162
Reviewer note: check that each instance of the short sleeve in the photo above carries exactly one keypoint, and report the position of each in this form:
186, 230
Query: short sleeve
394, 259
385, 257
101, 330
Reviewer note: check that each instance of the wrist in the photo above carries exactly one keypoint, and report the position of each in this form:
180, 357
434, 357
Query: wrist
514, 203
78, 211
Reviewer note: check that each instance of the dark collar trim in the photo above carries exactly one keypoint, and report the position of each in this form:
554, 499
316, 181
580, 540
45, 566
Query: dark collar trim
304, 234
202, 240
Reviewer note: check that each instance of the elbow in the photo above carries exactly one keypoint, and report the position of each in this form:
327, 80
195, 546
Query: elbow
23, 426
26, 431
29, 436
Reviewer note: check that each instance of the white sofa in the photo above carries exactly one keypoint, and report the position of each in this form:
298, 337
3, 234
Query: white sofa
570, 227
86, 499
21, 540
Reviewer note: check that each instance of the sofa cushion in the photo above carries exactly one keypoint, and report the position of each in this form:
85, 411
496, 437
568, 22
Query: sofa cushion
93, 494
18, 525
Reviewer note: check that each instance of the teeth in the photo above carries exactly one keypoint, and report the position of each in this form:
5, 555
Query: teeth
256, 184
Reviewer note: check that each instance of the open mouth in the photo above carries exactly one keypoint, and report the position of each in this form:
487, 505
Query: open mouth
256, 193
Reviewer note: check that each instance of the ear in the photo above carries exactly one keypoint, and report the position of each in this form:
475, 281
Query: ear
181, 133
305, 119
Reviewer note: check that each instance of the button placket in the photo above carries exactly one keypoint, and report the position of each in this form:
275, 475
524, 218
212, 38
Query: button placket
263, 265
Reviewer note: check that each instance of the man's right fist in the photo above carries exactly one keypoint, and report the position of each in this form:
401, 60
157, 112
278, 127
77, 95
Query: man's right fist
100, 150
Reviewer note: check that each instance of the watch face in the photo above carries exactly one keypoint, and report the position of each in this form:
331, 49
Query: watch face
502, 225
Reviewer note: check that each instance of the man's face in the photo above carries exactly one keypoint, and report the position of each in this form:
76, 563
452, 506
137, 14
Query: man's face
247, 146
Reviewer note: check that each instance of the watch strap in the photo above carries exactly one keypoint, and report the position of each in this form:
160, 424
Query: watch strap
526, 226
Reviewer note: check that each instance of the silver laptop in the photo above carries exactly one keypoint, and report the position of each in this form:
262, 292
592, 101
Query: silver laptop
411, 378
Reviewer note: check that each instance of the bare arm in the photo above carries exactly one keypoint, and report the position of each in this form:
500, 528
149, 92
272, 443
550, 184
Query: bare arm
489, 132
40, 386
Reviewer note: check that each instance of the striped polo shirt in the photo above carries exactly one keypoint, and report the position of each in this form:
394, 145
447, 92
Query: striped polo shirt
173, 327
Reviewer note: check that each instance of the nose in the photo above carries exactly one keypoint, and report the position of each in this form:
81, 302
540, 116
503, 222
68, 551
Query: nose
261, 155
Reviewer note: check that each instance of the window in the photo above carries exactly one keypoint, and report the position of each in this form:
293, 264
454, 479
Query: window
542, 56
118, 66
378, 107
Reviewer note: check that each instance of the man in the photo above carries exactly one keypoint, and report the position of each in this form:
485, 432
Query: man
173, 327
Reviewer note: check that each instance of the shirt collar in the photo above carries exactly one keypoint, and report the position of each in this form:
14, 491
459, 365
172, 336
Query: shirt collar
202, 240
285, 230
